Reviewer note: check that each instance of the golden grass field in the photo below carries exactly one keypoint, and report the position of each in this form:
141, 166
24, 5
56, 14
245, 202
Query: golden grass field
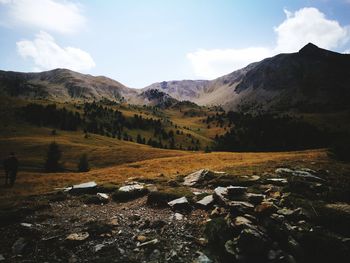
114, 161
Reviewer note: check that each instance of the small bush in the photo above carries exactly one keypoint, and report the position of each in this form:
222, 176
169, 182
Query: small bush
340, 149
54, 154
83, 165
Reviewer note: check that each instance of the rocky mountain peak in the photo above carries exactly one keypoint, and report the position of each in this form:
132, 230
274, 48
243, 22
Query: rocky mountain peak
312, 50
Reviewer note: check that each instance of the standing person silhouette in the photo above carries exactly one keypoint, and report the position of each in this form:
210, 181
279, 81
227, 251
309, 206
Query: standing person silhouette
11, 169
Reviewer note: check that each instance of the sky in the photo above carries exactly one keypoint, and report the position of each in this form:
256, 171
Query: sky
138, 42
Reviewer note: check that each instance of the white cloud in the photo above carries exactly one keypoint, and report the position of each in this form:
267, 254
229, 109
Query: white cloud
51, 15
299, 28
217, 62
347, 51
309, 25
49, 55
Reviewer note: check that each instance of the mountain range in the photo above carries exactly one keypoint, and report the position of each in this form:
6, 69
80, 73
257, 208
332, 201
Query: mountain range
312, 79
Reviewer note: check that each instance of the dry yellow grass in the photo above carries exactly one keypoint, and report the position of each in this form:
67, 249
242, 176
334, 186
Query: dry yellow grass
236, 163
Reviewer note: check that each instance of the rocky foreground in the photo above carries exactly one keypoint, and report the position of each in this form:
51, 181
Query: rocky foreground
291, 215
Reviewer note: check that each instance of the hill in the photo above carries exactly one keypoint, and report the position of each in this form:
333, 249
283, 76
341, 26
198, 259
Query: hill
62, 85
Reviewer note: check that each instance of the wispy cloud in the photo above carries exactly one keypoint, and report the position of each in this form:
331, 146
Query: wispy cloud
47, 54
217, 62
51, 15
299, 28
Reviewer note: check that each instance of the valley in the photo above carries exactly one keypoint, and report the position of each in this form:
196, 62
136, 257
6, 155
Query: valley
179, 171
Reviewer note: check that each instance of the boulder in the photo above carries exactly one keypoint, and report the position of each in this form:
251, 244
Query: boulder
240, 207
251, 241
234, 191
180, 204
220, 194
84, 188
206, 202
129, 192
241, 222
304, 174
289, 213
103, 196
78, 236
19, 246
277, 181
265, 208
202, 258
223, 195
255, 198
198, 177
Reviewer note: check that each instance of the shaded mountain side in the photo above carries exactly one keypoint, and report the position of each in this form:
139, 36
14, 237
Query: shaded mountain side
63, 85
311, 80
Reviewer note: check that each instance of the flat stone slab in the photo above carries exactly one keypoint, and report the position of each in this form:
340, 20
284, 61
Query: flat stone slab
199, 176
87, 187
131, 188
179, 204
304, 173
206, 202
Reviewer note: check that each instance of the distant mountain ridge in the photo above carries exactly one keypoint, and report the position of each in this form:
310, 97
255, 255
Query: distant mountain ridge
312, 79
308, 80
62, 85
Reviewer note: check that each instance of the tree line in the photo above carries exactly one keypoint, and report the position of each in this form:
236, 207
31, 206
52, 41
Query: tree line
269, 132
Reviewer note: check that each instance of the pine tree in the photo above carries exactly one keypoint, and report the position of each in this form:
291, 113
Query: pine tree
53, 158
83, 165
138, 138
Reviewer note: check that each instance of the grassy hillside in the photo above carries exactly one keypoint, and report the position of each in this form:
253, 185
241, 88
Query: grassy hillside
159, 168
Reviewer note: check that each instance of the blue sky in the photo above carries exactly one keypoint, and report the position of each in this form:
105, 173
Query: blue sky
141, 42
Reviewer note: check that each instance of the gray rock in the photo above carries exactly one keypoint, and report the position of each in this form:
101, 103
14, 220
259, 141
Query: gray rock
220, 194
98, 247
255, 198
305, 174
251, 241
230, 248
131, 188
2, 258
180, 204
78, 236
206, 202
241, 222
129, 192
202, 258
277, 181
84, 188
150, 243
103, 196
19, 246
288, 212
240, 207
198, 177
234, 191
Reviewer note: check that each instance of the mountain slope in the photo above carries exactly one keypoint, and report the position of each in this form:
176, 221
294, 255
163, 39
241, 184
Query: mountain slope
312, 79
62, 85
181, 89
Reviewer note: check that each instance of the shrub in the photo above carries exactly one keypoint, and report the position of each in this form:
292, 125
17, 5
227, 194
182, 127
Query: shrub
340, 149
54, 154
83, 165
